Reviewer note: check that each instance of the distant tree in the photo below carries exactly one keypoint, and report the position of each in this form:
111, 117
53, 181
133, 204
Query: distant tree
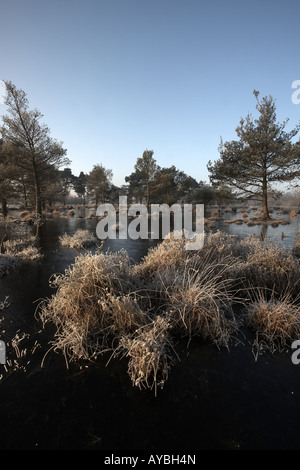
113, 194
204, 194
52, 188
24, 186
172, 185
80, 185
98, 183
141, 181
31, 147
135, 190
222, 195
263, 155
67, 178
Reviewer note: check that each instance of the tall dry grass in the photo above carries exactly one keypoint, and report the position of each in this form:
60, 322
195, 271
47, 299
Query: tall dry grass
196, 295
105, 303
151, 352
22, 248
95, 302
269, 266
275, 320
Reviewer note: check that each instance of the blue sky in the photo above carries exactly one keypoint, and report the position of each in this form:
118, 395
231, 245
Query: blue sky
116, 77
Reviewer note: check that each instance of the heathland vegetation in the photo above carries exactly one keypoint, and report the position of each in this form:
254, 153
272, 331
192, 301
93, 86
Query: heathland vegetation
106, 304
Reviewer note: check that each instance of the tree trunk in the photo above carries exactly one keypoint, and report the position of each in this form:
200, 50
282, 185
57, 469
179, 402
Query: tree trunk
4, 208
25, 195
148, 195
38, 202
265, 209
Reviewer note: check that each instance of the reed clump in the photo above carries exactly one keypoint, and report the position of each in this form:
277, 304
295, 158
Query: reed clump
171, 252
275, 320
269, 266
80, 239
151, 353
22, 248
196, 294
94, 303
16, 250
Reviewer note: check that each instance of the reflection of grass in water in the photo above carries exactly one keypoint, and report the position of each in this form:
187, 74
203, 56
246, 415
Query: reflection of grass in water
104, 303
7, 263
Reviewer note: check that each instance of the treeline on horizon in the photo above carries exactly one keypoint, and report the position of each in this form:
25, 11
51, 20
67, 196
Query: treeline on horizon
34, 168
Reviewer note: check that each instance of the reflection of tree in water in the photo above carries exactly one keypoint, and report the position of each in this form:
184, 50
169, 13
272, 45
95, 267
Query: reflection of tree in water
263, 231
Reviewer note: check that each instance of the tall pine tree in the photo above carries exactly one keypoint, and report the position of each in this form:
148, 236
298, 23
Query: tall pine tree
263, 155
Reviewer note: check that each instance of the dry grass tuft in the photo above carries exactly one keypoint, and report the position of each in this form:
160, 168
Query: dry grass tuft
150, 351
171, 252
80, 239
95, 302
22, 248
276, 321
269, 266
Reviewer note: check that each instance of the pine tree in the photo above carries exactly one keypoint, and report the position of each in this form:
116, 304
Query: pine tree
263, 155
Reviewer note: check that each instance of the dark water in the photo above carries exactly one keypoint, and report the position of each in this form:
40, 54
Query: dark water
213, 399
